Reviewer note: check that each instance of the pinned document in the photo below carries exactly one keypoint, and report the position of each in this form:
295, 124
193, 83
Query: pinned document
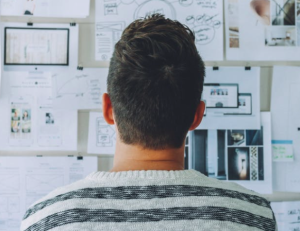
282, 150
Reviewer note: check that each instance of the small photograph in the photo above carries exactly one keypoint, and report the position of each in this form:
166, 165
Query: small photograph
254, 137
15, 126
283, 12
242, 102
233, 22
15, 114
280, 36
29, 7
219, 92
261, 11
234, 42
238, 164
26, 114
236, 137
49, 118
26, 126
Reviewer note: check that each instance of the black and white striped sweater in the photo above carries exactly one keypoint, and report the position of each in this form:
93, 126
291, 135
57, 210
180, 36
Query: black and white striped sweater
150, 200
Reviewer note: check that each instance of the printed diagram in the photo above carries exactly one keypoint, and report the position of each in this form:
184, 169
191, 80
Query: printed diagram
105, 133
43, 183
107, 34
81, 86
9, 182
203, 17
70, 87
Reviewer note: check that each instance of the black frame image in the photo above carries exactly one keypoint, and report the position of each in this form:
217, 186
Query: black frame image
237, 113
221, 85
235, 137
255, 137
36, 64
285, 14
238, 163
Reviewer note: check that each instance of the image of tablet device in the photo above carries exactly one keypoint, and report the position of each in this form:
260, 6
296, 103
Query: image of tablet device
220, 95
36, 46
245, 105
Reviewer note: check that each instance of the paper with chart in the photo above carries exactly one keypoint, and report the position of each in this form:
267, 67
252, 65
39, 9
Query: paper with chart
237, 155
286, 125
28, 120
46, 8
287, 215
262, 30
43, 47
36, 46
102, 136
79, 89
204, 17
25, 180
232, 98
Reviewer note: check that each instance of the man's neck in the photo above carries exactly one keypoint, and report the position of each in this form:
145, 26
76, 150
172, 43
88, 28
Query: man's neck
131, 157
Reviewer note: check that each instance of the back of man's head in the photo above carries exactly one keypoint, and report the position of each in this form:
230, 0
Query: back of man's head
155, 83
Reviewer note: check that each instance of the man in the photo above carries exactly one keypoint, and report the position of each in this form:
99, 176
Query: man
154, 88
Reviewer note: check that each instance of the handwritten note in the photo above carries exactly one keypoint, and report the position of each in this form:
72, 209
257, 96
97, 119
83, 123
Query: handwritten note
282, 150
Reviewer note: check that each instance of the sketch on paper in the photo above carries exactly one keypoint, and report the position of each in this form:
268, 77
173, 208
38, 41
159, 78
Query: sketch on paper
25, 180
102, 136
105, 133
113, 16
79, 89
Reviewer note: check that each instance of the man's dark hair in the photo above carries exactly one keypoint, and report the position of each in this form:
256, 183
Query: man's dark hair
155, 82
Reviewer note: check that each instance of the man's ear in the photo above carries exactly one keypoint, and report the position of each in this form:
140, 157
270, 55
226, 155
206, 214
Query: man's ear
107, 109
198, 115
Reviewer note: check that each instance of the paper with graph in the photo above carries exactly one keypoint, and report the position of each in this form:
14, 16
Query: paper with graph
204, 17
79, 89
24, 180
102, 136
262, 30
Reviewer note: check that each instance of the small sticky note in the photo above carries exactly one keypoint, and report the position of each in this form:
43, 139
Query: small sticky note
282, 150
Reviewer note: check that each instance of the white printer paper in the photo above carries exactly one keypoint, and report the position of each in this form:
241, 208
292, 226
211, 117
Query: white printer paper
286, 125
28, 120
79, 89
24, 180
287, 215
46, 8
204, 17
238, 155
102, 136
262, 30
232, 97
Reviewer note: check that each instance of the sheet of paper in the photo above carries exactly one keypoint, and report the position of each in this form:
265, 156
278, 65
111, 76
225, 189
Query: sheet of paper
42, 47
235, 92
24, 180
287, 215
285, 123
262, 30
204, 17
102, 136
46, 8
282, 150
237, 155
28, 120
79, 89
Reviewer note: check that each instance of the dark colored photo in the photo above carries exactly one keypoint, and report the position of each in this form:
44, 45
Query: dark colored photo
236, 137
238, 164
254, 137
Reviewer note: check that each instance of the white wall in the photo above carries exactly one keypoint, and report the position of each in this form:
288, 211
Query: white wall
87, 59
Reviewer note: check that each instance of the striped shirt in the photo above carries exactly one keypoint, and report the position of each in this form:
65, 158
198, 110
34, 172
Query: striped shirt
150, 200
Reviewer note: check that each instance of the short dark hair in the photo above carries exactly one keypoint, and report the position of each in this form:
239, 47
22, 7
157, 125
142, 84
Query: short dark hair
155, 82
